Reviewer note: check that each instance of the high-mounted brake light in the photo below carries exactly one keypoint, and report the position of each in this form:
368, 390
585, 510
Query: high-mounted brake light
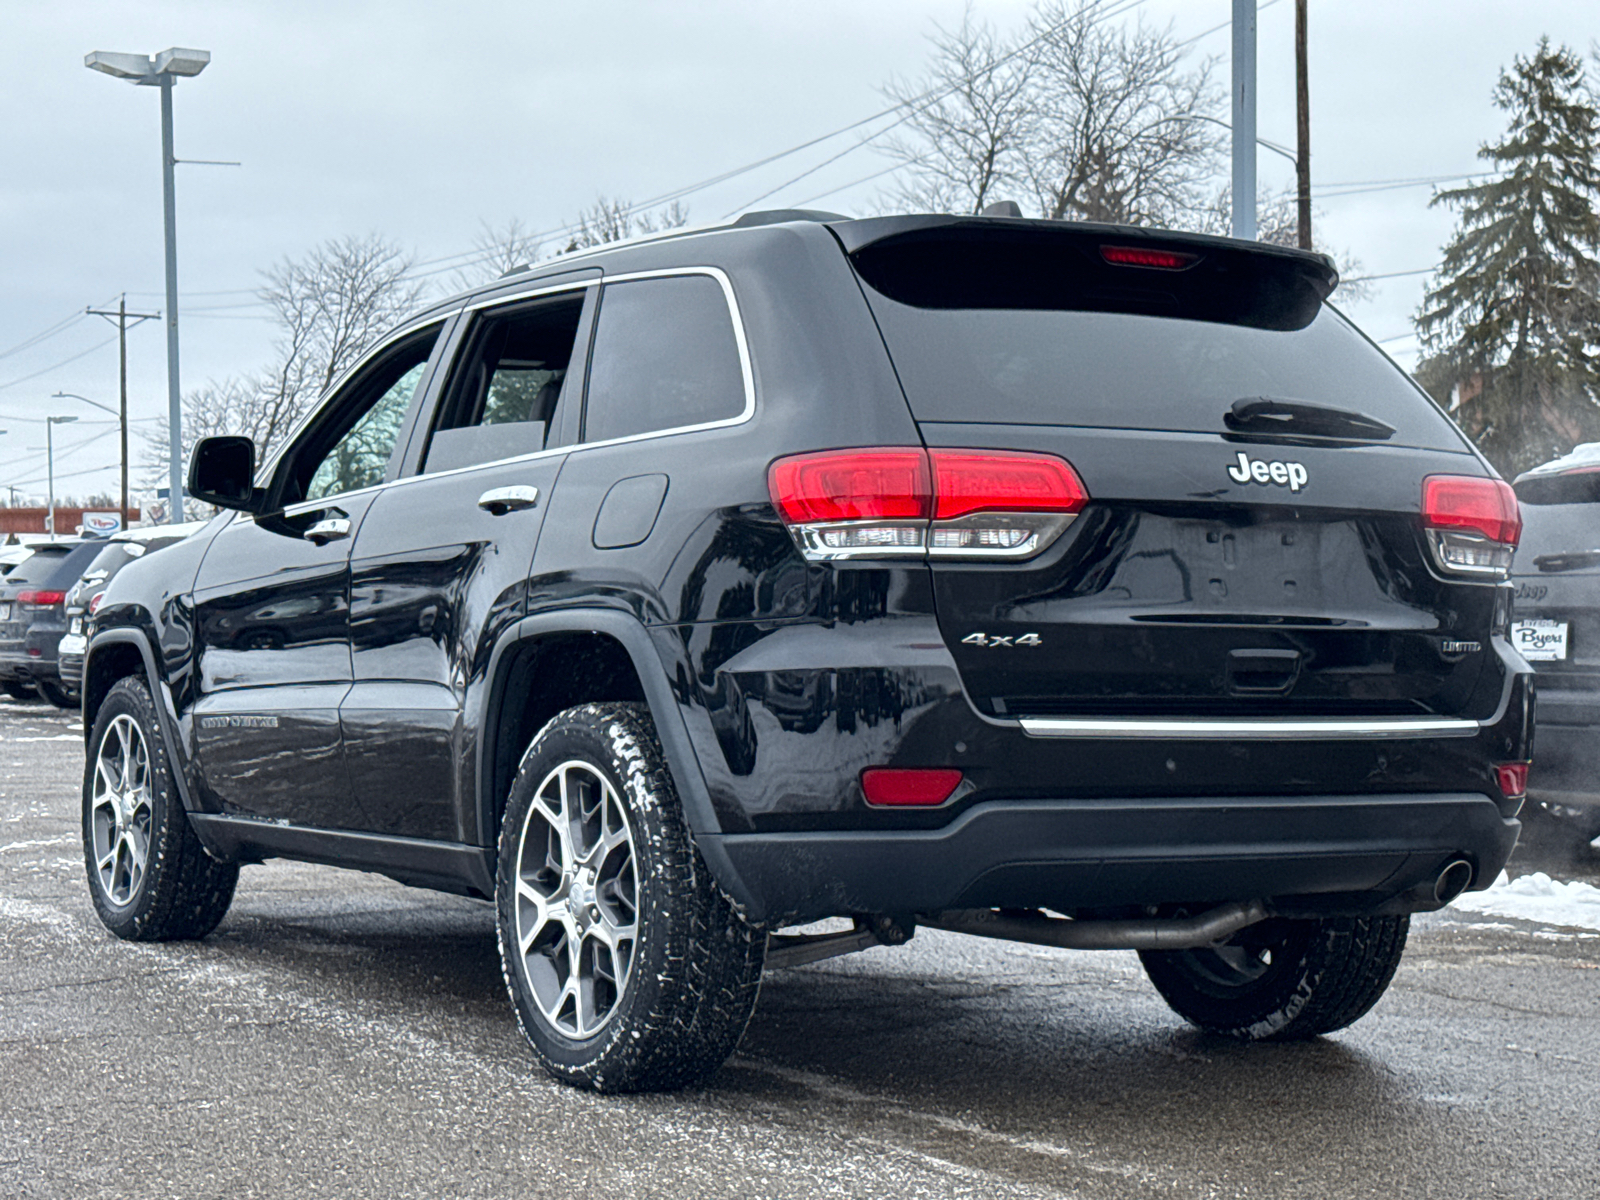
43, 599
910, 502
1473, 523
1144, 256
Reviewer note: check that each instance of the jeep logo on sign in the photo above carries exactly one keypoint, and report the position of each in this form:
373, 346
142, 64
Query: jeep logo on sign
1285, 474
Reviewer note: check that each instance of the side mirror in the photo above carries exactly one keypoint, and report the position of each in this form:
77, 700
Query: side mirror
223, 472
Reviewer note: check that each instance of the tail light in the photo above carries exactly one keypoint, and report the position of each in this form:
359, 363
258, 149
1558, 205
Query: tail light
1512, 778
94, 602
1473, 523
43, 599
912, 502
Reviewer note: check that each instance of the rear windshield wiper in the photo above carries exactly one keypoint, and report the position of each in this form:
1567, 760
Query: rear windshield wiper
1263, 414
1575, 561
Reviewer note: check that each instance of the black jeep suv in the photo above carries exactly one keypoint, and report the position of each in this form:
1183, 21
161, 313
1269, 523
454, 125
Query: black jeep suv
1082, 585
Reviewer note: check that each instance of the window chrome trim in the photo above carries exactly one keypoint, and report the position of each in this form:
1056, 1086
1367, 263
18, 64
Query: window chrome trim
1272, 729
267, 469
746, 370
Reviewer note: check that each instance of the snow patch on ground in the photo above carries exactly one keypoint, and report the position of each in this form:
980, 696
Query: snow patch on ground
1537, 897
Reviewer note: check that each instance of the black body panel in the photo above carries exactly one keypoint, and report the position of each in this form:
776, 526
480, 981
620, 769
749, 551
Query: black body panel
364, 702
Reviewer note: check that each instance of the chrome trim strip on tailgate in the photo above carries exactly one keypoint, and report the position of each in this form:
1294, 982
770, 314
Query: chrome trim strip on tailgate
1278, 728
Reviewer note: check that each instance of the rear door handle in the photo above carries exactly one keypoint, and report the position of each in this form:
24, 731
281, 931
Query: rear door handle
332, 529
500, 501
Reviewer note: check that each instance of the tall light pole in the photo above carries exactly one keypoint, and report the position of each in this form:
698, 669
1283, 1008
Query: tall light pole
161, 71
1244, 119
50, 424
122, 418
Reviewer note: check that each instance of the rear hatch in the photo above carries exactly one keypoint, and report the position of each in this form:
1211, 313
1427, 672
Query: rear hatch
1254, 542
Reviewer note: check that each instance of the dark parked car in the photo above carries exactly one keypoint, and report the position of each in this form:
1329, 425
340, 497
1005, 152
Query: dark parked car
83, 597
33, 618
1556, 626
1061, 583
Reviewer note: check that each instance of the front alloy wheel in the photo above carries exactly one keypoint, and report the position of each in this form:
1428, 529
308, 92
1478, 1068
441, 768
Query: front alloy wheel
149, 877
577, 905
121, 810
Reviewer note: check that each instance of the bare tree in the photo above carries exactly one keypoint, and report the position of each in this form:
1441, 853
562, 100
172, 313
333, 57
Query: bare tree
498, 249
613, 220
1099, 122
1122, 134
328, 306
967, 123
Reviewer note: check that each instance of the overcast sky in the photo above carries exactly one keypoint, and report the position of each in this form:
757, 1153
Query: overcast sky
421, 120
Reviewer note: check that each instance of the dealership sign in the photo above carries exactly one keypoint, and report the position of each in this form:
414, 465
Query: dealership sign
101, 524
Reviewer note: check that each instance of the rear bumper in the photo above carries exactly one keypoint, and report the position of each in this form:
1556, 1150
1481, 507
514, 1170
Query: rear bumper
1312, 854
1566, 760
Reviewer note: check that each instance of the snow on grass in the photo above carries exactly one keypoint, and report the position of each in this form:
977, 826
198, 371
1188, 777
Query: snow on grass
1537, 897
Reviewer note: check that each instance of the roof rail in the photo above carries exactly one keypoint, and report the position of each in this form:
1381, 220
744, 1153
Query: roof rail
777, 216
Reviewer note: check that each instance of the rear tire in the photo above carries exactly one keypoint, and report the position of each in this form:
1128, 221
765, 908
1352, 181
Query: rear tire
58, 694
149, 877
1282, 980
628, 968
18, 690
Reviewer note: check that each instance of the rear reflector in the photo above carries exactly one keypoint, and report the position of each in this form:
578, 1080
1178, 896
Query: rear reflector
1512, 778
1473, 523
910, 502
896, 786
42, 598
1141, 256
94, 602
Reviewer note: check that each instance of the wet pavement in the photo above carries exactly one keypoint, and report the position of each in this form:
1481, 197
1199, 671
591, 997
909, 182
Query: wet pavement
342, 1035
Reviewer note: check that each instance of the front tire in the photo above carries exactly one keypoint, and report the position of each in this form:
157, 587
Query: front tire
149, 877
1282, 980
628, 968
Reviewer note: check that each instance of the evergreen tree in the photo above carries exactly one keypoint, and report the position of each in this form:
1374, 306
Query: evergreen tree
1512, 323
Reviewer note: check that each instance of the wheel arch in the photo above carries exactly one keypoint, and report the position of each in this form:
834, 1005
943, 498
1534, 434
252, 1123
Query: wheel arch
615, 660
116, 654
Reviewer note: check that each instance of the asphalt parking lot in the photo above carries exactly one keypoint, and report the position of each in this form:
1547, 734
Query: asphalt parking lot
342, 1035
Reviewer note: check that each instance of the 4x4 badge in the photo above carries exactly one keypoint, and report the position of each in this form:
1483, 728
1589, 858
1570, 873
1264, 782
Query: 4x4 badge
1292, 475
1002, 639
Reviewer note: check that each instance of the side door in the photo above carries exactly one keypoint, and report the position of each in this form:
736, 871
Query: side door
271, 602
440, 567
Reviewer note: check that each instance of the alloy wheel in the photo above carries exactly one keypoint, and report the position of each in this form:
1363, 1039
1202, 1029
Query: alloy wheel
577, 899
121, 812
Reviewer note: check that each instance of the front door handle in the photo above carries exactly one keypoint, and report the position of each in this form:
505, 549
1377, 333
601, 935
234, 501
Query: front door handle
498, 502
332, 529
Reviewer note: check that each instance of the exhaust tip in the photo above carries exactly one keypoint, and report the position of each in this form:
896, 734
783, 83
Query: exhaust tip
1452, 881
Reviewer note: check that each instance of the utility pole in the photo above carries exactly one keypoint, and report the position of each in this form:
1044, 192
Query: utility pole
1244, 119
1302, 109
122, 316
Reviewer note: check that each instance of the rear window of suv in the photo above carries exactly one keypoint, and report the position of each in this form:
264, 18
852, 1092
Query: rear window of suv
1004, 347
53, 567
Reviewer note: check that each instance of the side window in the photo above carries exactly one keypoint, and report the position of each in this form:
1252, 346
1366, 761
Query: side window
350, 446
506, 383
664, 356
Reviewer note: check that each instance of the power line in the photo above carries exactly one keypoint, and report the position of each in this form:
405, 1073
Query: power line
473, 257
62, 363
1391, 275
59, 327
